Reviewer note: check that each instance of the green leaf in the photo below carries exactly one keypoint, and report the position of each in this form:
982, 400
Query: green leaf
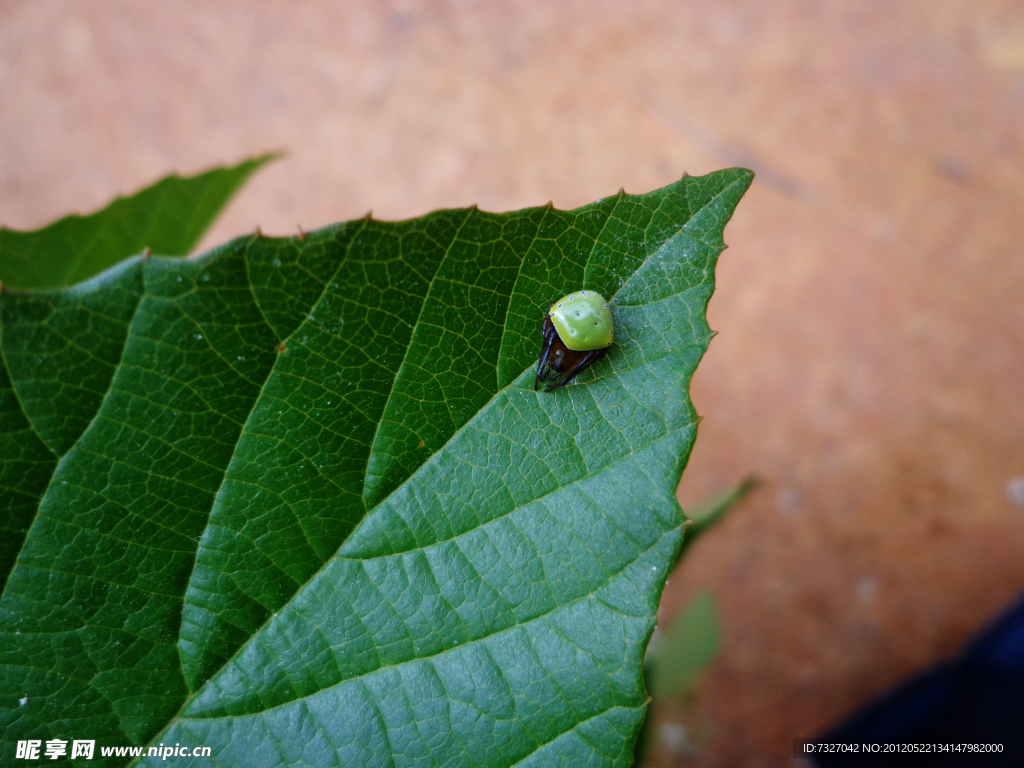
710, 512
690, 644
298, 501
168, 218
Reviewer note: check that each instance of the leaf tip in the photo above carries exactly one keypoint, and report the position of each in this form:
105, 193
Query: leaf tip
369, 215
748, 484
302, 233
267, 157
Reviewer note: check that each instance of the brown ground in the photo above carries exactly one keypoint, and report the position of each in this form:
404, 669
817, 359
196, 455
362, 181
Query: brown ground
870, 365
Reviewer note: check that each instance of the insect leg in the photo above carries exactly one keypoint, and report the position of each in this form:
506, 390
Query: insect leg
549, 334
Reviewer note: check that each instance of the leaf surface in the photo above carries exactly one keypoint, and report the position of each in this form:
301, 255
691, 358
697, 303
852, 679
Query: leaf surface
168, 218
298, 501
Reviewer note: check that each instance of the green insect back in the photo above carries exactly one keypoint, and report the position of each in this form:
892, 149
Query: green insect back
583, 321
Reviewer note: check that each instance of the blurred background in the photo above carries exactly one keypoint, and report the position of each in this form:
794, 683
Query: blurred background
870, 362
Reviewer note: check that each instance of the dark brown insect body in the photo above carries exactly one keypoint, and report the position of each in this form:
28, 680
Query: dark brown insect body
558, 364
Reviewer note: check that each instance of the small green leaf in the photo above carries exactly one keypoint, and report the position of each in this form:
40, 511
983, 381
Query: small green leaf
297, 500
690, 644
168, 218
708, 513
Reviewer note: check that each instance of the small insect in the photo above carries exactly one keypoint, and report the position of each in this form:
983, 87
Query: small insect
578, 330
